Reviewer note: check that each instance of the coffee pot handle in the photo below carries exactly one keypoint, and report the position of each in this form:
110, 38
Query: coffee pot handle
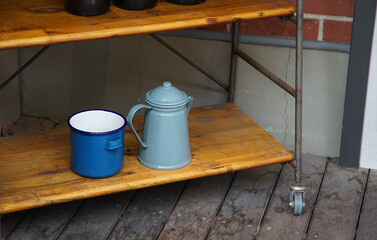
130, 116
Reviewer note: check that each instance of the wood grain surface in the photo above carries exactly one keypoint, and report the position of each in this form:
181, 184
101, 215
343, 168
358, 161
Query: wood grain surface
25, 23
336, 213
367, 229
96, 217
197, 208
10, 221
45, 223
244, 204
36, 168
148, 212
279, 220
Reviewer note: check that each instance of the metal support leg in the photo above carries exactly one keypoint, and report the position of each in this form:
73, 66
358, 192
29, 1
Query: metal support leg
31, 60
297, 200
20, 82
262, 69
233, 61
196, 66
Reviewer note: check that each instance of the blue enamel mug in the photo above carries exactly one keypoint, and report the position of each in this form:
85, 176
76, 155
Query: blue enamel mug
97, 143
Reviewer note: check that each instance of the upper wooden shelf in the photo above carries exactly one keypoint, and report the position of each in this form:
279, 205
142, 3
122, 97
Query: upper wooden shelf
25, 23
35, 169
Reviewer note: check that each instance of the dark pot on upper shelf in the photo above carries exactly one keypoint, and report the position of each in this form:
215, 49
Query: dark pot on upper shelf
135, 4
87, 7
186, 2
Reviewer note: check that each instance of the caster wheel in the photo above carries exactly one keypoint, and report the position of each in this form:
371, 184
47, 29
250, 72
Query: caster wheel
297, 199
298, 203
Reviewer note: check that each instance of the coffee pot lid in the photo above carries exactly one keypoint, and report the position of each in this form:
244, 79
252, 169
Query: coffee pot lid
166, 96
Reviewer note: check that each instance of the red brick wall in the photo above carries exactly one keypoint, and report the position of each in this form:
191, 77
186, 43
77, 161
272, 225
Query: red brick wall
324, 20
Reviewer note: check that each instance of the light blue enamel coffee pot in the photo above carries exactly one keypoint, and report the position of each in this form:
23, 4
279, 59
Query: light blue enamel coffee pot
165, 142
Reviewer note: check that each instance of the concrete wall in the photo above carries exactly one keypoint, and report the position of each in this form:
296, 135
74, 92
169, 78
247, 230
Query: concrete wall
116, 73
9, 96
325, 75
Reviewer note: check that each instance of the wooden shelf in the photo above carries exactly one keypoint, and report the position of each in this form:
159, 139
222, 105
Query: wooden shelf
25, 23
35, 169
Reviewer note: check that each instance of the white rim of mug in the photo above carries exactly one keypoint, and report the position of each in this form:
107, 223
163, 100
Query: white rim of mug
111, 131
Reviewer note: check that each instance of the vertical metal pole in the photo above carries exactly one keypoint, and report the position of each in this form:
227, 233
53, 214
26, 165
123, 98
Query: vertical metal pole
20, 82
299, 80
233, 61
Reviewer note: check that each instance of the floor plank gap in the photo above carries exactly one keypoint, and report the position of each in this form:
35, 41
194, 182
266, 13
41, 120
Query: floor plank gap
192, 217
69, 219
361, 204
268, 203
244, 204
279, 220
146, 214
175, 204
368, 219
10, 222
315, 201
122, 214
220, 206
45, 223
335, 215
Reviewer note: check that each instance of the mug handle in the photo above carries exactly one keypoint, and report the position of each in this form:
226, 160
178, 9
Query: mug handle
112, 145
130, 116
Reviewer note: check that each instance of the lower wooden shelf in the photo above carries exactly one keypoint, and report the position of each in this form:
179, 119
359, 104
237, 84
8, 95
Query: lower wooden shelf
35, 169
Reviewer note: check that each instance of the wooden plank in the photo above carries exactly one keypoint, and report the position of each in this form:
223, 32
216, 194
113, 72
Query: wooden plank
279, 220
36, 169
148, 212
47, 22
244, 204
335, 215
26, 124
44, 223
368, 219
9, 222
97, 216
197, 208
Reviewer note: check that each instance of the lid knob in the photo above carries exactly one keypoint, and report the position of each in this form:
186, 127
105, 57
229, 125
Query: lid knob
166, 84
166, 95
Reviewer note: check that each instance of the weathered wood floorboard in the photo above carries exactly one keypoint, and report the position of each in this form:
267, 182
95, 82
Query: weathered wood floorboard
244, 204
335, 216
197, 208
45, 223
279, 223
368, 220
10, 221
96, 217
147, 213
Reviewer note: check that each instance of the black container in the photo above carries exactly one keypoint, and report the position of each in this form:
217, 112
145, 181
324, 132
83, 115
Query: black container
186, 2
87, 7
135, 4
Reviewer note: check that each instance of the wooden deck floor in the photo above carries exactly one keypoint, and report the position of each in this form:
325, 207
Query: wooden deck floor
249, 204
